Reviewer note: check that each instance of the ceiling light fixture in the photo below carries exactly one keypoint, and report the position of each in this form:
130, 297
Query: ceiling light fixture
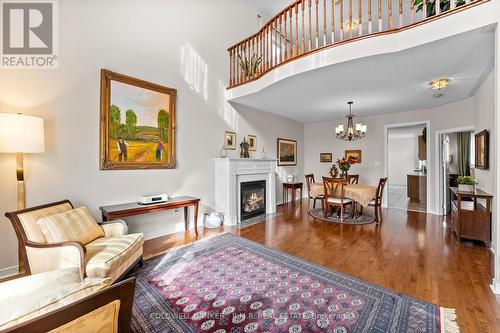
440, 84
351, 133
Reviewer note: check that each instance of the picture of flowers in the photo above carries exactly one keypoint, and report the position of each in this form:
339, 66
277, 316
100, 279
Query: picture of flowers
137, 123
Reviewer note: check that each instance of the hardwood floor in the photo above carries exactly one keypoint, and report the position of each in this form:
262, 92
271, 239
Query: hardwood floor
412, 253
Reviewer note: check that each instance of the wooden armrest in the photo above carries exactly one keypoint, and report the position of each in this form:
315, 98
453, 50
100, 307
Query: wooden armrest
123, 291
79, 245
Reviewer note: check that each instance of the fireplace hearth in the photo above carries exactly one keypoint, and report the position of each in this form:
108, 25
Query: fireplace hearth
253, 199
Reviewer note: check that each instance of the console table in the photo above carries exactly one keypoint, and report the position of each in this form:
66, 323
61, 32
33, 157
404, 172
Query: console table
470, 219
293, 187
133, 208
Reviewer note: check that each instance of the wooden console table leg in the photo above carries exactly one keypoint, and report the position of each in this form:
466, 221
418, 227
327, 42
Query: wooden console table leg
196, 218
186, 218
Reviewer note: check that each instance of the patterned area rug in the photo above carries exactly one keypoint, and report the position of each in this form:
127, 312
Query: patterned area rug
358, 219
230, 284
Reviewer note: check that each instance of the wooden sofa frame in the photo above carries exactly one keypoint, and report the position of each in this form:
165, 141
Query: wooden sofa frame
24, 242
123, 291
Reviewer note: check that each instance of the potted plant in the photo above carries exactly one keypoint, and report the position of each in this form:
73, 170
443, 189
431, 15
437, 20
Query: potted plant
249, 66
466, 184
344, 165
444, 5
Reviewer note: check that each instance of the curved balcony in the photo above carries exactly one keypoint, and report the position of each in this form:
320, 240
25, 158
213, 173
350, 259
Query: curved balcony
309, 26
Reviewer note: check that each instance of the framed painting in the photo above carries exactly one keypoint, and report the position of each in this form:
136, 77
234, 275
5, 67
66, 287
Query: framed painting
325, 157
482, 144
137, 124
230, 140
287, 152
252, 142
354, 155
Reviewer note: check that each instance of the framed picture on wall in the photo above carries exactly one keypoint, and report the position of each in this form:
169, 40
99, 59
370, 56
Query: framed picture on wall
354, 155
137, 124
252, 142
287, 152
230, 140
325, 157
482, 145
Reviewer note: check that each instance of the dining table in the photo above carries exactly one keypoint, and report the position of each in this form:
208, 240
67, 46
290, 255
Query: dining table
360, 193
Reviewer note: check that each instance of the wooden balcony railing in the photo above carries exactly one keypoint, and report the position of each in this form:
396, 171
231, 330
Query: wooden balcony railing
307, 26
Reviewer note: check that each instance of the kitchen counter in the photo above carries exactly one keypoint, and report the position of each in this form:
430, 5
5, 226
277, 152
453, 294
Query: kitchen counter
417, 187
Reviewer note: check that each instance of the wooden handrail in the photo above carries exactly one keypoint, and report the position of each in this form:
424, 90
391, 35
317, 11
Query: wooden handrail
308, 26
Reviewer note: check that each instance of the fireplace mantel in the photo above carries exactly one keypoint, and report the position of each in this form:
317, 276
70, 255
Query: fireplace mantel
230, 173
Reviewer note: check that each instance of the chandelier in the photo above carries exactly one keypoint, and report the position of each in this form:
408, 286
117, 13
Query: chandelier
351, 133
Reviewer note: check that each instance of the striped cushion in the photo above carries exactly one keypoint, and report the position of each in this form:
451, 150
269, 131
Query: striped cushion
28, 220
106, 255
74, 225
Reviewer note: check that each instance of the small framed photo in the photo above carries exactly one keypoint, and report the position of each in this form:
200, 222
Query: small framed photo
230, 140
252, 142
482, 144
353, 155
325, 157
287, 152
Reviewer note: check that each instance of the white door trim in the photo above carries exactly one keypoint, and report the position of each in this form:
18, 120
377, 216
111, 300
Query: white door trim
438, 166
427, 123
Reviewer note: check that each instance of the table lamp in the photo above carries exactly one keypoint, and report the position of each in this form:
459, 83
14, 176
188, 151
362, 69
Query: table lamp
21, 134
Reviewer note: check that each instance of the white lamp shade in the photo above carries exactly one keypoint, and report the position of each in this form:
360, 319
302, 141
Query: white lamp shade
358, 127
21, 134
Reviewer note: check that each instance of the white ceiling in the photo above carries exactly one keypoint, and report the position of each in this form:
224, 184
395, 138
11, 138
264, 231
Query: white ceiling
269, 8
382, 84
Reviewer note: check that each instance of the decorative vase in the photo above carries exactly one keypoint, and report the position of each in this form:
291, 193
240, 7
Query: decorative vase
344, 174
223, 152
333, 171
466, 188
263, 154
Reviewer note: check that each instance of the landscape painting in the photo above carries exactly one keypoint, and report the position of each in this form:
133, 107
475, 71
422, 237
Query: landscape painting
353, 155
287, 152
137, 123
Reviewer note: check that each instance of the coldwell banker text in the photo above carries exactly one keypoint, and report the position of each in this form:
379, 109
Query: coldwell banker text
28, 34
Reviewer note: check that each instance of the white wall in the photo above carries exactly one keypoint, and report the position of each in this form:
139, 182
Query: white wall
320, 137
485, 119
401, 159
180, 44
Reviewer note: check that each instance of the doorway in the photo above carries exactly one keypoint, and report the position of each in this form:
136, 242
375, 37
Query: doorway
456, 153
407, 162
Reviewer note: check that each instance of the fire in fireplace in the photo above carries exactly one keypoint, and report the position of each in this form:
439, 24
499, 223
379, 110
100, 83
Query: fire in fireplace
253, 199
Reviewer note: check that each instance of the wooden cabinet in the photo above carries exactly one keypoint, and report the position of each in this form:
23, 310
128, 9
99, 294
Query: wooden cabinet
422, 148
471, 219
416, 187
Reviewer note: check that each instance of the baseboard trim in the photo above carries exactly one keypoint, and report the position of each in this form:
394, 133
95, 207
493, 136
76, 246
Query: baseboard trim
8, 271
495, 287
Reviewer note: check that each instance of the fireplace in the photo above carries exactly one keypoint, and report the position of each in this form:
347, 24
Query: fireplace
253, 199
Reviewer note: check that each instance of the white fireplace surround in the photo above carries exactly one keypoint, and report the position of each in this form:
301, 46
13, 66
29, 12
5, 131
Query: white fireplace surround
230, 173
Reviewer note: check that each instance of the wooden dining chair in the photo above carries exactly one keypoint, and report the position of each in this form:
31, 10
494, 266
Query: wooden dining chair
377, 201
352, 179
309, 181
334, 196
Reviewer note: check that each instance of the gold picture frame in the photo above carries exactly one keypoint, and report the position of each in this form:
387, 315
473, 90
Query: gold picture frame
286, 152
143, 136
354, 155
482, 147
325, 157
229, 140
252, 142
